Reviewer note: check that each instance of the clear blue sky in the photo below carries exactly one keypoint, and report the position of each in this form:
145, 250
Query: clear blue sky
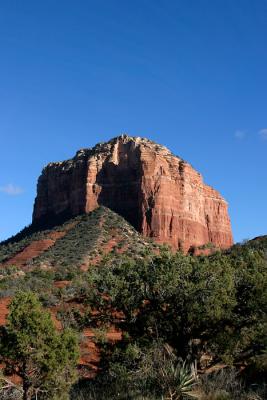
189, 74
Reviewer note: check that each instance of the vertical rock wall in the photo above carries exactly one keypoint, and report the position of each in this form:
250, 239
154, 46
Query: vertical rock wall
161, 195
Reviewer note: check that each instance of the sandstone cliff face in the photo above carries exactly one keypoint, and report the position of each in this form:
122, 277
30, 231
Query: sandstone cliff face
161, 195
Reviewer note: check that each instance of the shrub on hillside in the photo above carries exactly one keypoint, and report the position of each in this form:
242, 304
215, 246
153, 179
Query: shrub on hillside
213, 304
30, 347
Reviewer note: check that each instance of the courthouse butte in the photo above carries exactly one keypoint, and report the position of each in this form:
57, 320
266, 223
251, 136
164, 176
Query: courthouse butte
160, 194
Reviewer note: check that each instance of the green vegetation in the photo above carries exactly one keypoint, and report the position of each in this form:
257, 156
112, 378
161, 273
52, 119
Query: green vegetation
85, 238
85, 235
181, 315
88, 237
213, 306
31, 348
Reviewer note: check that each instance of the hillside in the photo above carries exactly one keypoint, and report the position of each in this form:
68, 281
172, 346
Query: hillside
128, 299
67, 250
54, 264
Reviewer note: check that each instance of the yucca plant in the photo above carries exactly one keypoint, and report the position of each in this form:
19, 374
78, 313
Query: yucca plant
179, 379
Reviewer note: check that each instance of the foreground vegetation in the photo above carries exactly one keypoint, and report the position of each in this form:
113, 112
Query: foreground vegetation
193, 327
31, 348
178, 311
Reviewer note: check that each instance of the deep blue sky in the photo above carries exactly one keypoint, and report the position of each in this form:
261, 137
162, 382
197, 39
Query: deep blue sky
190, 74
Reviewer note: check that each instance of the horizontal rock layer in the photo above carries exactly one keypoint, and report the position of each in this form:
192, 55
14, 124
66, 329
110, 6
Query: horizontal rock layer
160, 194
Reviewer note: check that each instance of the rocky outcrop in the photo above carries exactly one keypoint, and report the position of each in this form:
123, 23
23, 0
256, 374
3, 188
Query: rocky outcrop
160, 194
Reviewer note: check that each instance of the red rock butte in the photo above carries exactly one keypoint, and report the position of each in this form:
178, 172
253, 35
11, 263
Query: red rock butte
160, 194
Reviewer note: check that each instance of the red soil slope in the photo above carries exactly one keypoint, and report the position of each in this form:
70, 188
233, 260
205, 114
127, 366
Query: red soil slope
34, 249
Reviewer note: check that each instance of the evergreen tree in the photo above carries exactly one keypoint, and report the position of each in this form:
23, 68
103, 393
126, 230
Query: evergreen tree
31, 347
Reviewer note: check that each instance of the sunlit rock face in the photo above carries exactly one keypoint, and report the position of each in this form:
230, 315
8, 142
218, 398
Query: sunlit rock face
160, 194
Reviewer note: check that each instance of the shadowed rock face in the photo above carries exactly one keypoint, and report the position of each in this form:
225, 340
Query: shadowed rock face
161, 195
